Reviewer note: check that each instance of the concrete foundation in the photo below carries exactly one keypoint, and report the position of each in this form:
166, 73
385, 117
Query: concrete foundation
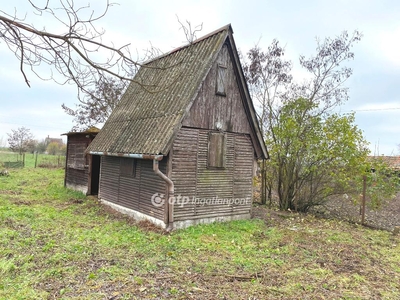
76, 187
177, 224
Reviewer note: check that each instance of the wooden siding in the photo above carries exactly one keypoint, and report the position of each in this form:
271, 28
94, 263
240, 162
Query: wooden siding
76, 173
194, 179
133, 192
76, 177
184, 170
76, 152
219, 112
193, 174
244, 164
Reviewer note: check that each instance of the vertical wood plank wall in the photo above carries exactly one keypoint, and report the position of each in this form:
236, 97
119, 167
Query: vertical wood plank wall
212, 111
76, 167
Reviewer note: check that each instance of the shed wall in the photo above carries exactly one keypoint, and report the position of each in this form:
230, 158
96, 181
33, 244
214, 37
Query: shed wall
219, 112
133, 192
211, 192
228, 189
77, 166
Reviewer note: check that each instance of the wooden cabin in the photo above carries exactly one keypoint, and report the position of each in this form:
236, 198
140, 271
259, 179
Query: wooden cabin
181, 146
81, 170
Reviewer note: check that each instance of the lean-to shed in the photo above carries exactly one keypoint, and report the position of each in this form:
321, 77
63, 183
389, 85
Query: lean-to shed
81, 170
181, 146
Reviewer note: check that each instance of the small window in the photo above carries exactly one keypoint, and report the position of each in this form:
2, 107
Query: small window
221, 80
216, 150
128, 167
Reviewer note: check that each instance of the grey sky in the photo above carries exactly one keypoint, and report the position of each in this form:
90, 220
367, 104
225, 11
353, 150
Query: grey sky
374, 86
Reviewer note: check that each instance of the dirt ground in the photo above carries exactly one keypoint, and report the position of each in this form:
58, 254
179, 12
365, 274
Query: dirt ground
387, 217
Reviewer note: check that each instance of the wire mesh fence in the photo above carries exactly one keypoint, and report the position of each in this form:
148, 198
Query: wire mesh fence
36, 160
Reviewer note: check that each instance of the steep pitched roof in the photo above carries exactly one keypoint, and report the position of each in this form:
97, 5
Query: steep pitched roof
153, 107
49, 140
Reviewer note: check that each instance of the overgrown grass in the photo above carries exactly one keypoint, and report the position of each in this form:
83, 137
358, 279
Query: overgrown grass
56, 243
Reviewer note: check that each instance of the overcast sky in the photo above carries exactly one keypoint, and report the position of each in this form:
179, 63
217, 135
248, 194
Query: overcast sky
374, 86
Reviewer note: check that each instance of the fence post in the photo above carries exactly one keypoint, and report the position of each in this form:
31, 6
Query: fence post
36, 157
263, 182
23, 160
363, 200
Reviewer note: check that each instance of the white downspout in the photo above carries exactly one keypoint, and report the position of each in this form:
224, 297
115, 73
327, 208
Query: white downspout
168, 206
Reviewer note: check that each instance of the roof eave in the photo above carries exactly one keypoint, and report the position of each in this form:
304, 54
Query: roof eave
128, 155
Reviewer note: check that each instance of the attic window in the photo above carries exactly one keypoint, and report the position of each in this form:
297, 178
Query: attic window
216, 150
221, 80
127, 167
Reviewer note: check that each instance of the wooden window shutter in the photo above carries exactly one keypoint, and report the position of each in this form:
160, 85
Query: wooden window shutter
127, 167
216, 150
221, 80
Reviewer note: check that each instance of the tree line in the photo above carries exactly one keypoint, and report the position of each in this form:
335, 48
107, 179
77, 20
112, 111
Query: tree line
315, 153
21, 141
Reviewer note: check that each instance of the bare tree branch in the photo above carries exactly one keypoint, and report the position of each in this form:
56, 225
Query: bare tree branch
97, 107
187, 29
79, 55
290, 113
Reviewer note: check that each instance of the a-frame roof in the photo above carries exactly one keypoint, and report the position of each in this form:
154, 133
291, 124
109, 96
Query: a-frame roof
150, 112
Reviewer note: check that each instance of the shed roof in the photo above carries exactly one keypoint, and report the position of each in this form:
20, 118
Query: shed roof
151, 111
90, 130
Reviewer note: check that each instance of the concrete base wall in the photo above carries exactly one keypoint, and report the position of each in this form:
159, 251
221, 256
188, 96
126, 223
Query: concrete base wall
176, 225
187, 223
76, 187
134, 214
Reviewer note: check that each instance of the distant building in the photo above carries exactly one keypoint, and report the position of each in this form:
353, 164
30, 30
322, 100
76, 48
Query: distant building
49, 140
392, 161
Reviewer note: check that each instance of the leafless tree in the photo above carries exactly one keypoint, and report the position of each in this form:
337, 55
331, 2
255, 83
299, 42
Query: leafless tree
21, 140
78, 54
97, 106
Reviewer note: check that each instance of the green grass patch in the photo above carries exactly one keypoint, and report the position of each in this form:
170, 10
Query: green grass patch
56, 243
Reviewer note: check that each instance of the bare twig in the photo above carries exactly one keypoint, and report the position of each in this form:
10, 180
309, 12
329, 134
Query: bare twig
79, 55
187, 29
240, 277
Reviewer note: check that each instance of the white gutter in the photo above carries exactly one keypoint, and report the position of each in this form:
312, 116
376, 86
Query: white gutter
168, 205
130, 155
